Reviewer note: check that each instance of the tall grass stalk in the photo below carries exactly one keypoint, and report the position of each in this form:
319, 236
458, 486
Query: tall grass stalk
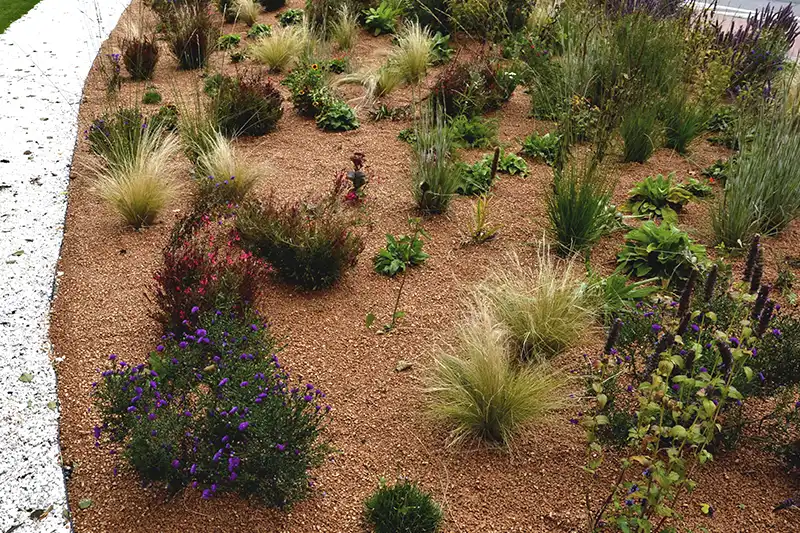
477, 387
435, 176
638, 131
683, 121
545, 309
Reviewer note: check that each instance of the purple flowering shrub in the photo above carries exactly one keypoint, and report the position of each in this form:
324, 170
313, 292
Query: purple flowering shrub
308, 243
203, 268
756, 51
213, 409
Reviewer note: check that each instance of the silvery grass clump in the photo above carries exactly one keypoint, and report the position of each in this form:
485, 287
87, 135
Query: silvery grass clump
223, 175
282, 48
435, 175
545, 309
136, 181
479, 387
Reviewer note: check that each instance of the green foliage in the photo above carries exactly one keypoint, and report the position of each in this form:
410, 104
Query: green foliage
309, 244
544, 310
697, 188
290, 17
489, 19
720, 169
478, 177
402, 508
480, 231
658, 197
166, 118
639, 130
435, 176
579, 209
173, 415
401, 252
259, 30
229, 41
618, 294
308, 87
471, 88
683, 121
336, 115
383, 18
662, 251
247, 105
544, 147
512, 164
280, 48
441, 52
237, 56
116, 136
479, 388
151, 97
475, 132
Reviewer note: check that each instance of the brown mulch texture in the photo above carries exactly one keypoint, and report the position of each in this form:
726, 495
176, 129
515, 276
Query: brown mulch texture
379, 423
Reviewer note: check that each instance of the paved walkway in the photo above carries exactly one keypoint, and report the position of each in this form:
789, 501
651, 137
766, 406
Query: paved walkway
45, 57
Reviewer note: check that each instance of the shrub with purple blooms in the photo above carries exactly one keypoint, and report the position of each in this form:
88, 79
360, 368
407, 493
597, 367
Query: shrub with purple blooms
214, 410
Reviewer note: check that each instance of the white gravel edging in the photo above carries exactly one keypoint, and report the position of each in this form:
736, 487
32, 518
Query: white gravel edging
44, 59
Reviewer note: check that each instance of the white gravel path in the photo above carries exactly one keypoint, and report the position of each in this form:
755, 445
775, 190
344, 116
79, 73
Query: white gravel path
44, 60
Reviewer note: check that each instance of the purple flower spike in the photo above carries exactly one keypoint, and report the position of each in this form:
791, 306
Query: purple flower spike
176, 463
195, 309
160, 348
280, 447
243, 426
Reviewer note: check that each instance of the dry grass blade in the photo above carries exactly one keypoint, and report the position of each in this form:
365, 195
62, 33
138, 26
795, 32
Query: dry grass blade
222, 172
279, 50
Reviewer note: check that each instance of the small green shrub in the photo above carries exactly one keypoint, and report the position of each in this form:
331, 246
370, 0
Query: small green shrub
662, 251
151, 97
473, 88
658, 197
383, 18
166, 118
480, 231
259, 30
719, 170
441, 52
140, 57
544, 147
544, 310
336, 115
237, 56
402, 508
479, 388
309, 244
247, 105
478, 177
401, 252
638, 130
226, 42
617, 295
475, 132
697, 188
308, 87
290, 17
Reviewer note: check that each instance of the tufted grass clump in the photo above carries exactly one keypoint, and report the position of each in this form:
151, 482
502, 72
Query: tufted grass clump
545, 309
435, 175
140, 56
402, 508
344, 29
192, 36
222, 174
138, 188
480, 388
247, 11
639, 131
280, 49
412, 56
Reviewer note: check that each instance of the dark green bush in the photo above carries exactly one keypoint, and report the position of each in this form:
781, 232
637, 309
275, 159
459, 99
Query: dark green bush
309, 244
402, 508
336, 115
683, 121
259, 30
247, 105
213, 409
151, 96
544, 147
165, 118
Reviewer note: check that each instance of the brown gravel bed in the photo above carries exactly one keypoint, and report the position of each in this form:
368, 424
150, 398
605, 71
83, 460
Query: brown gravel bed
379, 422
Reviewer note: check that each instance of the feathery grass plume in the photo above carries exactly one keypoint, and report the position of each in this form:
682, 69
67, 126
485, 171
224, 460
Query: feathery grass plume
221, 172
686, 294
377, 82
247, 11
192, 36
766, 316
545, 310
752, 255
196, 130
280, 49
138, 189
412, 56
344, 29
711, 282
758, 271
761, 299
434, 176
477, 387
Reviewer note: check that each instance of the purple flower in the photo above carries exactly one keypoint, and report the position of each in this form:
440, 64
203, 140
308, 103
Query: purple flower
201, 332
182, 345
206, 494
222, 382
176, 463
160, 348
193, 469
97, 431
195, 309
676, 387
776, 332
243, 426
703, 369
656, 327
308, 397
112, 357
280, 447
734, 341
132, 408
244, 384
695, 328
253, 327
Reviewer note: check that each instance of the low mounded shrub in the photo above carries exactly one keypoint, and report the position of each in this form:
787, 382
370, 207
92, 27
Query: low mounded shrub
661, 251
140, 57
213, 409
247, 105
402, 508
308, 243
290, 17
473, 88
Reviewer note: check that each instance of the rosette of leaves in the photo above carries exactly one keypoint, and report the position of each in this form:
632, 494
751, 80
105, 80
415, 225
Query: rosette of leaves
544, 147
662, 251
401, 252
658, 197
290, 17
402, 508
383, 18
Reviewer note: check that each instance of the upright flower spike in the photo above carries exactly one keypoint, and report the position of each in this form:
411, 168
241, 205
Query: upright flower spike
751, 257
686, 294
758, 271
711, 282
761, 299
727, 357
766, 316
684, 324
613, 335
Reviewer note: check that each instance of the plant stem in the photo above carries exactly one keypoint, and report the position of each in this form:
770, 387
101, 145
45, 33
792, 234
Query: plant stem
397, 301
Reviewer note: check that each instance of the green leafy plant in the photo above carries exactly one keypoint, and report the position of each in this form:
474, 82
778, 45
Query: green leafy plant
544, 309
435, 176
480, 230
310, 243
237, 56
474, 132
246, 105
719, 170
441, 52
658, 197
231, 40
336, 115
401, 252
512, 164
544, 147
618, 294
478, 387
290, 17
259, 30
662, 250
151, 97
308, 87
383, 18
402, 508
697, 188
166, 118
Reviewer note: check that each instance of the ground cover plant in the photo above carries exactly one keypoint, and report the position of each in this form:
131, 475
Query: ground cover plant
467, 351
